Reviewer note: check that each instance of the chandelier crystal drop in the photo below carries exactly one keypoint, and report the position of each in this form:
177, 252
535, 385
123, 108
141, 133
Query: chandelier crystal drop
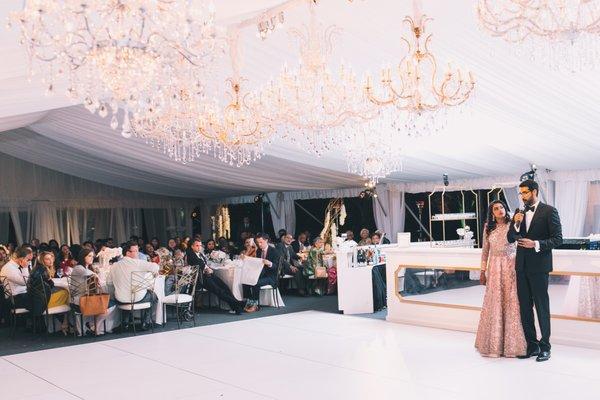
310, 102
562, 33
117, 54
416, 87
374, 150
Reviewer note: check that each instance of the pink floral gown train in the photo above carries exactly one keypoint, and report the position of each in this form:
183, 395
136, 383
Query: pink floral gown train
500, 332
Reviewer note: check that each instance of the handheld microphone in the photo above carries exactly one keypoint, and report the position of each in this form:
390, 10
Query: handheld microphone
518, 211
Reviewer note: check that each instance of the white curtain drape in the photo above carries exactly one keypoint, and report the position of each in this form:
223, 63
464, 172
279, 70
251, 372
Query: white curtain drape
592, 219
283, 213
389, 212
571, 200
47, 204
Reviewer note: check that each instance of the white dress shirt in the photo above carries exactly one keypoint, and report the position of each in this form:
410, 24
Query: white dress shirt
16, 276
528, 218
120, 275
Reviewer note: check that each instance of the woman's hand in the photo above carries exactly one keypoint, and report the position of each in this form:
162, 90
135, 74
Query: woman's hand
482, 278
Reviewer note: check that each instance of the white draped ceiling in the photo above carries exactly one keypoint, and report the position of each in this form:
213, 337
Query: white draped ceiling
522, 112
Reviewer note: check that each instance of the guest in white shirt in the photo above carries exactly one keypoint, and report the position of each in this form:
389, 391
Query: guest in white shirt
120, 275
15, 273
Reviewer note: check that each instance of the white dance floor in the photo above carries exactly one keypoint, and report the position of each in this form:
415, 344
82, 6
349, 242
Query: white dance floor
307, 355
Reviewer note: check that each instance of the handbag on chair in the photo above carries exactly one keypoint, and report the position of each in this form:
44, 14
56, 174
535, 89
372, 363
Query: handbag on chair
320, 272
94, 304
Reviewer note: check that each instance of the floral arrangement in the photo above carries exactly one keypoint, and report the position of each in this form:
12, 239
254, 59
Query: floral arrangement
166, 261
218, 256
107, 254
223, 222
335, 216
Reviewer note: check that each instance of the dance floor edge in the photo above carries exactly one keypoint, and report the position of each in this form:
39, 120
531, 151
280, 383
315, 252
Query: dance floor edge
296, 356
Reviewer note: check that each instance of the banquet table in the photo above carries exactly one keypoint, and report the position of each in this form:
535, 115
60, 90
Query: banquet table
230, 272
113, 316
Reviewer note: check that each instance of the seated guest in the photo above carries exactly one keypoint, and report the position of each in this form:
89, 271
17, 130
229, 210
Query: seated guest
88, 245
208, 280
249, 247
280, 234
376, 239
224, 245
365, 240
54, 247
120, 275
41, 275
64, 261
151, 253
141, 243
314, 261
3, 256
16, 273
299, 245
268, 276
172, 246
211, 246
384, 239
350, 239
84, 277
292, 265
155, 243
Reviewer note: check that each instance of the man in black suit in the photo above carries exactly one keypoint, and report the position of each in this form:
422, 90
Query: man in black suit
537, 230
292, 265
272, 261
210, 282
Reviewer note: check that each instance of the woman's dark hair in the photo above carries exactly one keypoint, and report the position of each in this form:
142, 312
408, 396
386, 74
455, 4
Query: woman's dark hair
53, 243
60, 253
491, 223
82, 255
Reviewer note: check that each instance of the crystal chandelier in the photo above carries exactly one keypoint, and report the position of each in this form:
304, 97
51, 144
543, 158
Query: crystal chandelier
311, 103
374, 150
117, 54
416, 88
194, 125
564, 33
237, 133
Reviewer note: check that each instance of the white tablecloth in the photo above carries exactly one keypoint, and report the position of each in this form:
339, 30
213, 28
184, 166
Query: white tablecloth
113, 316
231, 274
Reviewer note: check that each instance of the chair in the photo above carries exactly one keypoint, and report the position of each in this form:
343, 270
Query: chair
77, 289
185, 283
13, 311
141, 281
40, 292
274, 289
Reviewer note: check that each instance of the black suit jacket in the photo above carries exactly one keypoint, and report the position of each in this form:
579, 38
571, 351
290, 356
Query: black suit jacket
287, 253
545, 228
275, 257
193, 259
289, 257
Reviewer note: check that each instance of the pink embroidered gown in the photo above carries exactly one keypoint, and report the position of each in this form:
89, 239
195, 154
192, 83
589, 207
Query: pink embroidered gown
500, 332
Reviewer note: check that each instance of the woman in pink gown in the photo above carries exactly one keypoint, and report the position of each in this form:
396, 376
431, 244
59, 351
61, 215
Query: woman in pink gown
500, 332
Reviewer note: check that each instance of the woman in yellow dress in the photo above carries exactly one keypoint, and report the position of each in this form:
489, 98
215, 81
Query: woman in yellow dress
44, 269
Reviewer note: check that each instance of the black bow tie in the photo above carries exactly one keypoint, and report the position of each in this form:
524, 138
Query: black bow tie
530, 208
